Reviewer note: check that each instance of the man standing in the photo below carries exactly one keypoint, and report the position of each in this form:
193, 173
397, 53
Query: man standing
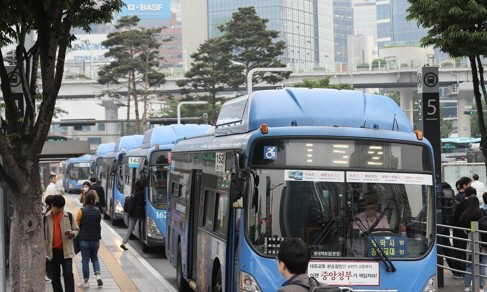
51, 187
59, 231
96, 186
480, 187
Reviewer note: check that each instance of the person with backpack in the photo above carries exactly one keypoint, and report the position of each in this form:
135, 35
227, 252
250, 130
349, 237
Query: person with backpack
138, 212
292, 261
88, 219
59, 231
472, 213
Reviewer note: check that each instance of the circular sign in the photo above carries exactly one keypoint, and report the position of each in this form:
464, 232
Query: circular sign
14, 79
430, 79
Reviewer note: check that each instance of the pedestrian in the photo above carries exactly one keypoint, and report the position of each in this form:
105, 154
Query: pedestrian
88, 219
60, 229
446, 241
459, 234
84, 190
96, 186
484, 206
138, 212
292, 262
51, 187
47, 203
461, 185
472, 213
480, 187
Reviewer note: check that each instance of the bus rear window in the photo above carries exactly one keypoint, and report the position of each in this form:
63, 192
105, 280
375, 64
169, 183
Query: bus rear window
357, 154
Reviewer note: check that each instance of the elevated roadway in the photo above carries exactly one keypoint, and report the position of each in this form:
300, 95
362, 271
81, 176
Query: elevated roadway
403, 78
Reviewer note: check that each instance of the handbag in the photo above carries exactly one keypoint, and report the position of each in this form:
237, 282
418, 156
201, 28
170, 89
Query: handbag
129, 204
76, 245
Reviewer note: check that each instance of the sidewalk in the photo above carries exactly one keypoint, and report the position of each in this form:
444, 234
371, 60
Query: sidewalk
451, 285
121, 271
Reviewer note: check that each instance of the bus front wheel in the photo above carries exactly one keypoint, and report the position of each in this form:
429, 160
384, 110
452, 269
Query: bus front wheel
183, 285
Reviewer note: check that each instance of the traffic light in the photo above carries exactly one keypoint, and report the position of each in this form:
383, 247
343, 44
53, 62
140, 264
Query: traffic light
470, 112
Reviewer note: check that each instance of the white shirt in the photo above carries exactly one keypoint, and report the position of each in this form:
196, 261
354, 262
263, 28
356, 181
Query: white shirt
50, 190
480, 187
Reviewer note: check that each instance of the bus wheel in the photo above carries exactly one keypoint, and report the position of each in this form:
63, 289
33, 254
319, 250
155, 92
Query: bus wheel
217, 283
183, 285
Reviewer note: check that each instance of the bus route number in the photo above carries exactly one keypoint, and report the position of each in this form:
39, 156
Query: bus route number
220, 161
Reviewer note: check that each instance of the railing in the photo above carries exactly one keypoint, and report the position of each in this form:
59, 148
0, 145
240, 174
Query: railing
473, 266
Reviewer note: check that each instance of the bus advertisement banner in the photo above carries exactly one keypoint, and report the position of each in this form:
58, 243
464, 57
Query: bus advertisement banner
314, 175
346, 273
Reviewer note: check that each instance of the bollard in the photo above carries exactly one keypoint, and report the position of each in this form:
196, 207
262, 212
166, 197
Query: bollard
474, 227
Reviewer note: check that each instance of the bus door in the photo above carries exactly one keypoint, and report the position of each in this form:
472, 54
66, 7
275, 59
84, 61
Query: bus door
193, 227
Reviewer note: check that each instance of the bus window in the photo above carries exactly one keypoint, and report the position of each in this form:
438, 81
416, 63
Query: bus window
120, 177
158, 190
209, 209
221, 213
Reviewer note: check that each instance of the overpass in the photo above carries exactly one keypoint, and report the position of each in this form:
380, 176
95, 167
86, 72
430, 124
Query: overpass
394, 79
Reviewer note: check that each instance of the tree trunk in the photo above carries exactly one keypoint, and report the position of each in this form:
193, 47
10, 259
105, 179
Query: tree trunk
27, 248
478, 103
136, 105
146, 89
129, 86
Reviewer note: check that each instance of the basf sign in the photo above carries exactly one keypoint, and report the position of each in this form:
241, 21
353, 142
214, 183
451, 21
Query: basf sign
147, 8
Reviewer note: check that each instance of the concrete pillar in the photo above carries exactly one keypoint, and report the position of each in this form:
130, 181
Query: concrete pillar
406, 101
111, 113
464, 102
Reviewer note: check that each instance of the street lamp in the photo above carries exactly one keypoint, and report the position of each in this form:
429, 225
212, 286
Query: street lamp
187, 102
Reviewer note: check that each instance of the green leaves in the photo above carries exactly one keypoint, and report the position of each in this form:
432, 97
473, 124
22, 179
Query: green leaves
321, 83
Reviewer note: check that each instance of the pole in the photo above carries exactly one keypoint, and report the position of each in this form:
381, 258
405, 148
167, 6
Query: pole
187, 102
3, 283
252, 71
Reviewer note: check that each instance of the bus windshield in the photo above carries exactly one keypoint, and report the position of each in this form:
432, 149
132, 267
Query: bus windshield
333, 209
79, 171
158, 187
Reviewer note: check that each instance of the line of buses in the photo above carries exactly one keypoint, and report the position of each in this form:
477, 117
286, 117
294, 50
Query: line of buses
307, 163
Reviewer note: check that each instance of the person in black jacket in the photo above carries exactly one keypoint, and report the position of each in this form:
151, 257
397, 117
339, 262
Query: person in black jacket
138, 212
96, 186
89, 218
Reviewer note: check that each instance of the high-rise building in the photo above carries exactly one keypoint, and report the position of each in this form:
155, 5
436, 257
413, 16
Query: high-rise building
342, 28
305, 25
392, 26
365, 18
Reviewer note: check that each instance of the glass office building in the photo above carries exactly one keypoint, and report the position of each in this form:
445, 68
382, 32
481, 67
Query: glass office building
342, 28
305, 25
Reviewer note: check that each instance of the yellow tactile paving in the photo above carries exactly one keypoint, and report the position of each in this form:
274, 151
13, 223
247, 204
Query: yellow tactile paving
119, 276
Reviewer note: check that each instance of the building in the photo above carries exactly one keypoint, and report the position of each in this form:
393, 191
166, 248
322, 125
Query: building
365, 18
342, 28
392, 26
305, 25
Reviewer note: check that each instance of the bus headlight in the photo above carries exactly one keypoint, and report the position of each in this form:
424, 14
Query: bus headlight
248, 283
118, 207
152, 229
430, 285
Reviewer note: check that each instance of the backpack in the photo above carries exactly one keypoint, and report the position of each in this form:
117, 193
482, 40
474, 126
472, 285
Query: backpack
314, 286
483, 227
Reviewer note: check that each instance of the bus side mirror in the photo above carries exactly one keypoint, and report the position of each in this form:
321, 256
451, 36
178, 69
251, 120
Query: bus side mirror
239, 186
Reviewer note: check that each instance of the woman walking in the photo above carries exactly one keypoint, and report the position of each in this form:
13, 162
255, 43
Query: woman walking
88, 219
138, 212
472, 213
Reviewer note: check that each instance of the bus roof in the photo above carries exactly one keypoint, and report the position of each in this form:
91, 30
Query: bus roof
311, 107
167, 135
80, 159
460, 140
104, 148
126, 143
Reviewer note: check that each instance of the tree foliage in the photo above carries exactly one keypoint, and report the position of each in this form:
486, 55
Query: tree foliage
38, 60
321, 83
136, 62
458, 28
224, 62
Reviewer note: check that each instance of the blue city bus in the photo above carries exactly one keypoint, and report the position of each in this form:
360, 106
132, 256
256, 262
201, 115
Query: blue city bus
342, 170
115, 174
76, 173
152, 159
98, 161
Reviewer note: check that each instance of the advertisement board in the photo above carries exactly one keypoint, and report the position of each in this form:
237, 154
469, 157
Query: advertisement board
147, 9
88, 47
